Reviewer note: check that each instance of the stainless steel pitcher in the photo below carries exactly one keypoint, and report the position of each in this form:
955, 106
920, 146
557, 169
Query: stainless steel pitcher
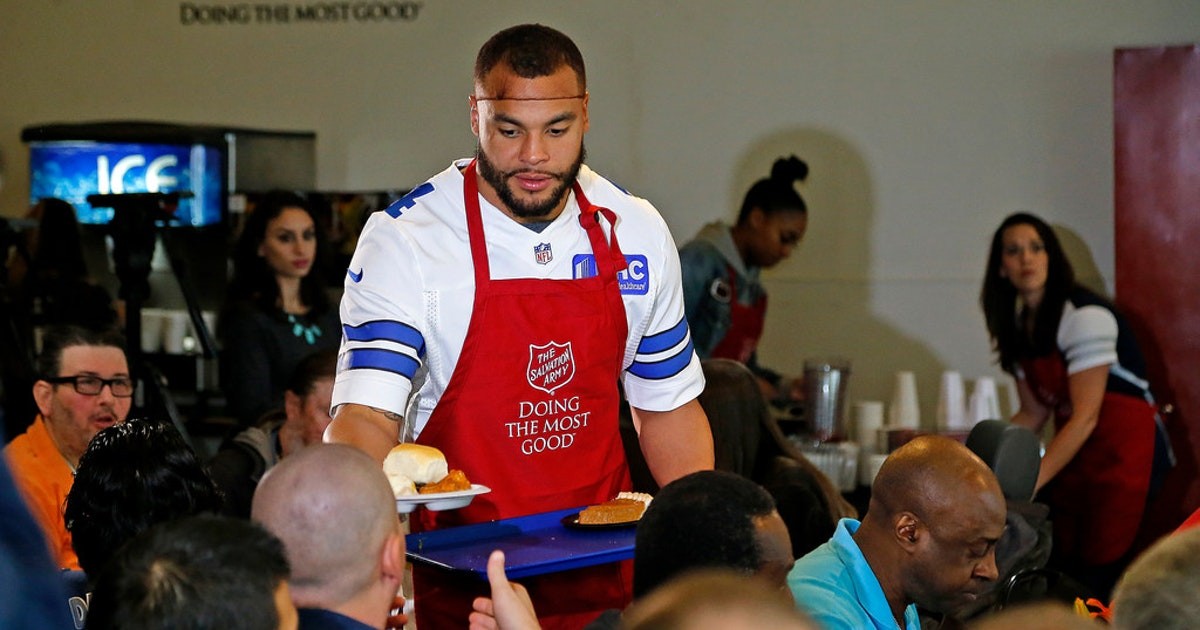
825, 397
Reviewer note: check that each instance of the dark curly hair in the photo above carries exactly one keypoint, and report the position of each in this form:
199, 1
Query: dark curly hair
701, 520
132, 476
777, 193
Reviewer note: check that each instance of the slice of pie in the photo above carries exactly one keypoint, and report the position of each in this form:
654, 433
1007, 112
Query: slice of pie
628, 507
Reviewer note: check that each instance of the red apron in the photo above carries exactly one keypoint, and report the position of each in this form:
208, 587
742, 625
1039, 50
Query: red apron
531, 411
745, 325
1097, 500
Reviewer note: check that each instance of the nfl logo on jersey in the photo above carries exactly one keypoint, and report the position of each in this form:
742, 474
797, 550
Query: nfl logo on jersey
542, 253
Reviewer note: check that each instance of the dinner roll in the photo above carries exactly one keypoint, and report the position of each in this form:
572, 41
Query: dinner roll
419, 463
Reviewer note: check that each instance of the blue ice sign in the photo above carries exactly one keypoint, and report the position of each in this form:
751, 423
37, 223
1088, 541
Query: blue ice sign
71, 170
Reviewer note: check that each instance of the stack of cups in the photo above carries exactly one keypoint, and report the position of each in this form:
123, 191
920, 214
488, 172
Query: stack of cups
176, 326
152, 329
984, 403
868, 424
904, 412
952, 409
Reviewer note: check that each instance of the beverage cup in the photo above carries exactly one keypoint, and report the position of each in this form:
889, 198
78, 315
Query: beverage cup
825, 395
951, 411
985, 402
868, 420
152, 330
848, 472
904, 411
176, 325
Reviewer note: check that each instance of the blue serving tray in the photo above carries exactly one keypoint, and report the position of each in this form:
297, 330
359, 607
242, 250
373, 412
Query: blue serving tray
532, 545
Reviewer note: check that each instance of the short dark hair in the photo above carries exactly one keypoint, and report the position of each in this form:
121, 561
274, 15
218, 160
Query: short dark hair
312, 368
195, 573
777, 193
58, 338
702, 520
132, 476
532, 51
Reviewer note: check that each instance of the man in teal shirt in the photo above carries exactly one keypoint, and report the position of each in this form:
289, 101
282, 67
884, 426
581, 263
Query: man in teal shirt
928, 539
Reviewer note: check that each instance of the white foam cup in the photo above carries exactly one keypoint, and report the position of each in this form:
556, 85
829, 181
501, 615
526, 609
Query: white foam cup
952, 408
176, 326
868, 420
904, 411
152, 329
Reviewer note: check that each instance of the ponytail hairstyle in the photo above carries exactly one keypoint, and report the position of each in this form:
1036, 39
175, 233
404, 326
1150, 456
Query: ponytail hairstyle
777, 193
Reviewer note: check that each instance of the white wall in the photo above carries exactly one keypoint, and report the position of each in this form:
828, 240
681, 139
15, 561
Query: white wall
924, 123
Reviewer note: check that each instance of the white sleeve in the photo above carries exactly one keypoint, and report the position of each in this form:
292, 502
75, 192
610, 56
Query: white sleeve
1087, 337
383, 344
665, 371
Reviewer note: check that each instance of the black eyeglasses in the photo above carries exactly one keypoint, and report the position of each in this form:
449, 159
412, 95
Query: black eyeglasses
121, 386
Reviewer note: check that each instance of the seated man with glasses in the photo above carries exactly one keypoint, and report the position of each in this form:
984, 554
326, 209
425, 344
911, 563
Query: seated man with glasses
83, 385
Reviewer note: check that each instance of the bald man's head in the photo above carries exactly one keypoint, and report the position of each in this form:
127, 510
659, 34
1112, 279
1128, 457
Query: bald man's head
333, 508
930, 474
938, 511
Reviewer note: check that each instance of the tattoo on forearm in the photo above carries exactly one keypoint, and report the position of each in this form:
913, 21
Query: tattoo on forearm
390, 415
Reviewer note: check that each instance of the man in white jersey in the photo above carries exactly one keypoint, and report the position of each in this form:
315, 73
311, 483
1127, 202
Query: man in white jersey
491, 312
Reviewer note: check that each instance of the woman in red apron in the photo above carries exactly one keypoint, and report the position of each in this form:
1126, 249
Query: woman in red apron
520, 331
725, 303
1075, 362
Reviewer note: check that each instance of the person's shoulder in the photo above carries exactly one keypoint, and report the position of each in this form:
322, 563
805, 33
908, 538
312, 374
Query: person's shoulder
427, 201
1082, 297
323, 619
700, 249
830, 601
19, 451
603, 191
242, 317
821, 560
1088, 314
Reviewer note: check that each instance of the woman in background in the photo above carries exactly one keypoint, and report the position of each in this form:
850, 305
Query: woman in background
724, 301
277, 310
747, 441
56, 287
1075, 360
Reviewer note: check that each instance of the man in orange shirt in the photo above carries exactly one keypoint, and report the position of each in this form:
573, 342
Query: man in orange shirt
83, 385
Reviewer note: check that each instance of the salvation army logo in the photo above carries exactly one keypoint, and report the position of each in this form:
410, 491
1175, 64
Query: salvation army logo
550, 366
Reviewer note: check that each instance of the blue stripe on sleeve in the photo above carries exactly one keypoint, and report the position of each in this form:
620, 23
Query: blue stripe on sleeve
658, 370
386, 360
664, 340
386, 330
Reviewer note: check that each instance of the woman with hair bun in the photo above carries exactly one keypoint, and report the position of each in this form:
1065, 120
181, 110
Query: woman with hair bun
724, 300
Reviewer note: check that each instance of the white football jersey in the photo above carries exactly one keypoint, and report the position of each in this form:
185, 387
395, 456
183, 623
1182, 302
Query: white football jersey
410, 289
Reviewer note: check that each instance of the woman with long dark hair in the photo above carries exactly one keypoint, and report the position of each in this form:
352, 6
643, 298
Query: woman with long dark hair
277, 310
1075, 361
724, 301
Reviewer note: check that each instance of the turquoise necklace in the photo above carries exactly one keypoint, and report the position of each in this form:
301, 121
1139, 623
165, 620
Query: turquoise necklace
309, 332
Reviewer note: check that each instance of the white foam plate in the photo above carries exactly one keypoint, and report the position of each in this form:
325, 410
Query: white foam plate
439, 501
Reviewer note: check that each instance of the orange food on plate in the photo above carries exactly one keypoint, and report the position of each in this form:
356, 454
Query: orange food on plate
454, 481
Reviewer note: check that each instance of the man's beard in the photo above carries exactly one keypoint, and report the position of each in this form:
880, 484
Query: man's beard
531, 209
